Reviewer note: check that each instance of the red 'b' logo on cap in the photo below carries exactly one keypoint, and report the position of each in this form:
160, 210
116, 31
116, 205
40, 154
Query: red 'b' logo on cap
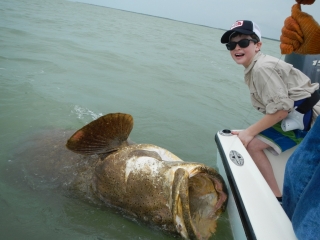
237, 24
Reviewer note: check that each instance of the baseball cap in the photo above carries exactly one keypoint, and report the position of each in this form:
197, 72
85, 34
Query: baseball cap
242, 26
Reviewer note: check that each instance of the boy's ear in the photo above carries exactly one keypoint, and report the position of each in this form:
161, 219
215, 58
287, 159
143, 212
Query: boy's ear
258, 46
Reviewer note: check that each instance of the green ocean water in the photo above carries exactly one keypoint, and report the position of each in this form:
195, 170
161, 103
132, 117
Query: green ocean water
63, 64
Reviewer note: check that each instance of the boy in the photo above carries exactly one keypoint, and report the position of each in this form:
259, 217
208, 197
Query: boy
276, 88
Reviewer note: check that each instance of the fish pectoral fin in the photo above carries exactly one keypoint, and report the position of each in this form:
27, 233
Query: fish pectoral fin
145, 153
103, 135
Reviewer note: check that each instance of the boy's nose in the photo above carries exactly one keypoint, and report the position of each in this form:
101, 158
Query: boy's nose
237, 46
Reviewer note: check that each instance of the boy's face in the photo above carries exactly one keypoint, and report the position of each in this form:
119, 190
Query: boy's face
244, 56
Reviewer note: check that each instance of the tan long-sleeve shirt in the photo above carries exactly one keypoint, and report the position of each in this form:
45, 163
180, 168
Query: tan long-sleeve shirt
275, 85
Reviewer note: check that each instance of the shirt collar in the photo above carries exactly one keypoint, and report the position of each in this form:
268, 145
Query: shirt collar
255, 58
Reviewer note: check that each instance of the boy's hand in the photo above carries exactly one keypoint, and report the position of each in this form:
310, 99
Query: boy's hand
306, 2
244, 137
301, 33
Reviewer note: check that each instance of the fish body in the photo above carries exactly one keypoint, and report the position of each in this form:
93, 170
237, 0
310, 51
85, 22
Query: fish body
146, 182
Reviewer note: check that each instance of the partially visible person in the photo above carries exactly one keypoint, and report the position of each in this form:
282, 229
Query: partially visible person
276, 88
306, 2
300, 33
301, 190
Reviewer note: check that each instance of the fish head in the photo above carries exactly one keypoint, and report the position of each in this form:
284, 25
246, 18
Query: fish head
199, 196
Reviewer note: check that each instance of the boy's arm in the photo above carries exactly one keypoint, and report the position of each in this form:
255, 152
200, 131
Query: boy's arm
267, 121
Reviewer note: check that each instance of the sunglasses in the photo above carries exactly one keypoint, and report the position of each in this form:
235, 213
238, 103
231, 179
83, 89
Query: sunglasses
242, 43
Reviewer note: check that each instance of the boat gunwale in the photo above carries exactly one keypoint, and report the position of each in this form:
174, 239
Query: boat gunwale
248, 229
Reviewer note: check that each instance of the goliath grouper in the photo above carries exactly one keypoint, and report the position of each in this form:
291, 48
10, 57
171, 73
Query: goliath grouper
146, 182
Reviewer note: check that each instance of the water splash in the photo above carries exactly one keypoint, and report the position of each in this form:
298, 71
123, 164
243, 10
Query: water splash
82, 113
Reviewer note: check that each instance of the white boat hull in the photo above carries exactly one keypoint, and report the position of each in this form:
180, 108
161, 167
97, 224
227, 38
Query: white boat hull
254, 211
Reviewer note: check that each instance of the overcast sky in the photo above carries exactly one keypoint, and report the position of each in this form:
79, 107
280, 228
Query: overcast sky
268, 14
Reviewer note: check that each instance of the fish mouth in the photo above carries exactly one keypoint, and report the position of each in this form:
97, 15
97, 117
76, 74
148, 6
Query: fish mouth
198, 200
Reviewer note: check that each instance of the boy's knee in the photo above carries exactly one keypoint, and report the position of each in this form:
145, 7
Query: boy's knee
256, 145
252, 146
